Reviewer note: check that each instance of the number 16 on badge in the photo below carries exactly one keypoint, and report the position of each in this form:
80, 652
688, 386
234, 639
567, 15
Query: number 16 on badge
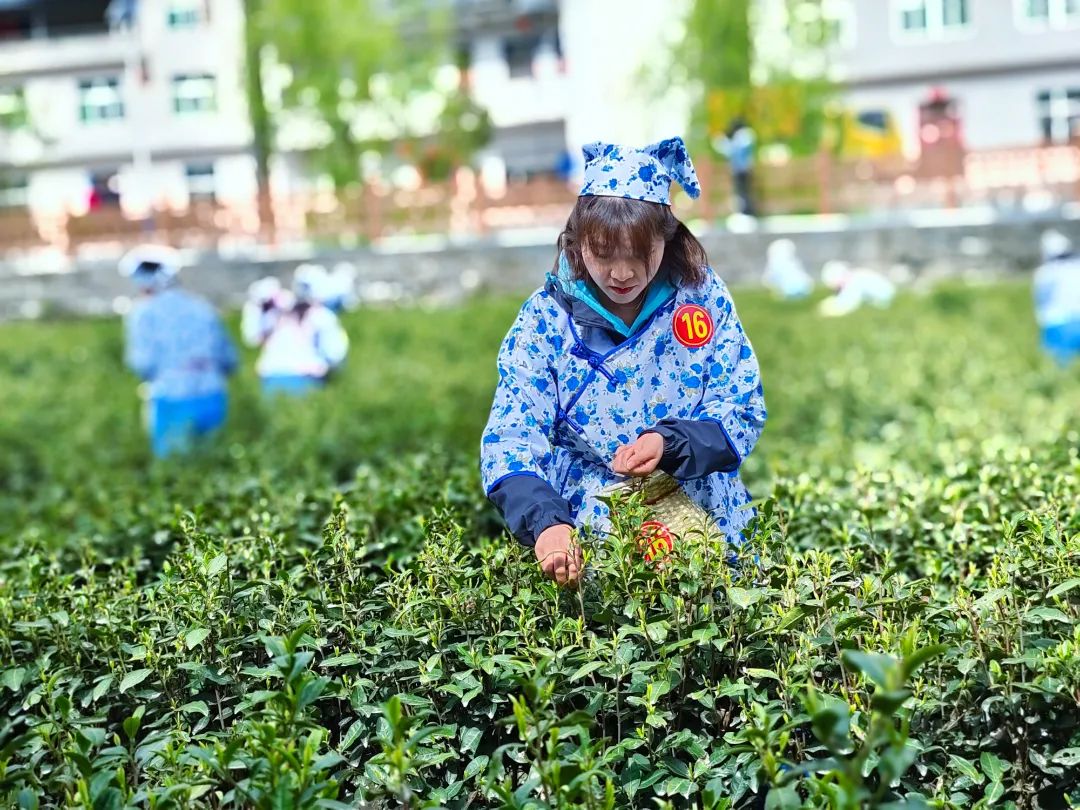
692, 325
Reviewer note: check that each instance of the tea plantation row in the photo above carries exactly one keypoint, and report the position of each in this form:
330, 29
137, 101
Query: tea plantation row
320, 609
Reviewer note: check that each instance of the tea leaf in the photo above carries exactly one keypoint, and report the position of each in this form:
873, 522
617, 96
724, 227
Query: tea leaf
761, 674
216, 565
743, 598
470, 739
196, 707
476, 766
13, 678
874, 666
193, 638
585, 669
1063, 588
1049, 614
102, 687
343, 660
966, 768
1069, 757
133, 678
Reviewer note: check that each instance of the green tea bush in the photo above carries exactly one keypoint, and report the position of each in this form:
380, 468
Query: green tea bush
320, 610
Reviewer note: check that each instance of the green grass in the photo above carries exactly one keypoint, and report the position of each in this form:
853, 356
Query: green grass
232, 630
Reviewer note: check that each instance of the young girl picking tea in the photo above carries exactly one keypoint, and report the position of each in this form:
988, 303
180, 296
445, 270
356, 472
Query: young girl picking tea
630, 359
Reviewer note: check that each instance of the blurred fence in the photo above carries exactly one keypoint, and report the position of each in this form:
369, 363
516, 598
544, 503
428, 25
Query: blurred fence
818, 184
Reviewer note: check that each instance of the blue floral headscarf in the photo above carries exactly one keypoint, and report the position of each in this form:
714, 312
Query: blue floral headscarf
646, 174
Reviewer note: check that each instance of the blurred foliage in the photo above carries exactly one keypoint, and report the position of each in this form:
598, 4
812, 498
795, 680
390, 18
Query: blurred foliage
13, 112
358, 67
319, 609
782, 95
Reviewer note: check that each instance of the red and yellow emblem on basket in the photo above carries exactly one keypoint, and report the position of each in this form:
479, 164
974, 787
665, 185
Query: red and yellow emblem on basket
656, 541
692, 325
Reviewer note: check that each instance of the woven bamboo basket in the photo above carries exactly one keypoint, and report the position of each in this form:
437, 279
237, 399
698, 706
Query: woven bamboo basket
669, 504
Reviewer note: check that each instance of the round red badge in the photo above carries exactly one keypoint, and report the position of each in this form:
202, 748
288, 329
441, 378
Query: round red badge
692, 325
656, 540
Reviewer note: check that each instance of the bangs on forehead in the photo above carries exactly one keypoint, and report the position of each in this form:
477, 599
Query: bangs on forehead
611, 225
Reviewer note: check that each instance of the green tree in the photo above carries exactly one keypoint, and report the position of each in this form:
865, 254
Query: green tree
13, 114
359, 72
255, 37
716, 55
765, 61
13, 117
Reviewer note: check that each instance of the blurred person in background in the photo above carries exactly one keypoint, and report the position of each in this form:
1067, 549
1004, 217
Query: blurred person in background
1057, 297
784, 272
853, 288
339, 292
265, 298
175, 341
737, 145
302, 340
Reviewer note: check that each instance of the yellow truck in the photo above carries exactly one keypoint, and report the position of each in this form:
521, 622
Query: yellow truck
866, 133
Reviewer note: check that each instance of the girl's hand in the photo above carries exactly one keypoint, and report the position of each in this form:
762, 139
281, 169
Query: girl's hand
559, 555
641, 457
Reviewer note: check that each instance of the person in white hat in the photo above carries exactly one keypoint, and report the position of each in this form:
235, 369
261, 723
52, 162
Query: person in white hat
854, 287
302, 341
784, 272
1057, 297
266, 300
340, 292
175, 341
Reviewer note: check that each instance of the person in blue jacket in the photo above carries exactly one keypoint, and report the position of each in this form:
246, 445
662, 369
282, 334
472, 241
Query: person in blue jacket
175, 341
630, 358
1057, 298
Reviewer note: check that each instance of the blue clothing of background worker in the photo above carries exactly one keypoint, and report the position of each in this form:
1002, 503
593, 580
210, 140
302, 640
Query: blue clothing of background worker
176, 342
737, 145
1057, 298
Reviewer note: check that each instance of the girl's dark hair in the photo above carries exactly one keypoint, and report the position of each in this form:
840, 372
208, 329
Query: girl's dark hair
605, 223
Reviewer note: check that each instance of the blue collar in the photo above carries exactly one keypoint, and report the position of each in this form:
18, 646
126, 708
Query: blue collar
657, 294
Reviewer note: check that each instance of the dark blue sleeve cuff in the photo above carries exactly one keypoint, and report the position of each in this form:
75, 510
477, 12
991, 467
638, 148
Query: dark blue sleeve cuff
694, 448
529, 505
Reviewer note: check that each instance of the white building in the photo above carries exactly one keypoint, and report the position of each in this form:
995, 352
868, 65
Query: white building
157, 115
154, 114
1012, 65
554, 75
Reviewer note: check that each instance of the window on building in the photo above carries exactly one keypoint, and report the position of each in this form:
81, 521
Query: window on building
104, 189
14, 188
200, 181
1035, 10
839, 19
1043, 14
519, 52
186, 13
913, 16
932, 19
194, 94
12, 107
815, 24
100, 99
15, 24
1059, 114
874, 119
955, 13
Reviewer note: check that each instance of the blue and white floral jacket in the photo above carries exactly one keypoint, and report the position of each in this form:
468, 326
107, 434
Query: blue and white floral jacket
575, 383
